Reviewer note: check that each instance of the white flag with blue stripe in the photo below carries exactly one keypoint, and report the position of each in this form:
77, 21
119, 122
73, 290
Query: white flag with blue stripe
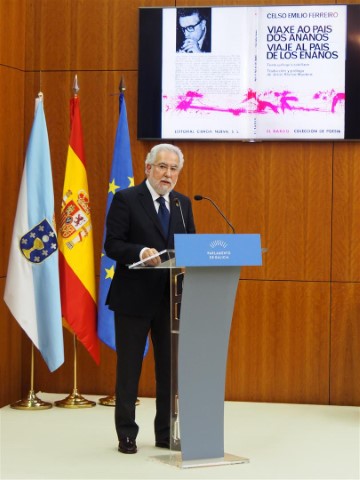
32, 290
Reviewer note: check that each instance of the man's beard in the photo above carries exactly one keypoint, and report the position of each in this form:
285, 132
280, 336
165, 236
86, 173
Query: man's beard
162, 189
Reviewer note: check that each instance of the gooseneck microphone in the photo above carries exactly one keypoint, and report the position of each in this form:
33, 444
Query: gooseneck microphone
200, 197
178, 204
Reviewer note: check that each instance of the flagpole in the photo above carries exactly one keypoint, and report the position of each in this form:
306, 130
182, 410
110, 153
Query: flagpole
110, 400
75, 399
31, 402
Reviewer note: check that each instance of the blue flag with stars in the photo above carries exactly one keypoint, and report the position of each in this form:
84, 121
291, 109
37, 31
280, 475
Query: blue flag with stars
121, 177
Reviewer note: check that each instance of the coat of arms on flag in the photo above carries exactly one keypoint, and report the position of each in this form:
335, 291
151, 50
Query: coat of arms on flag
75, 217
39, 242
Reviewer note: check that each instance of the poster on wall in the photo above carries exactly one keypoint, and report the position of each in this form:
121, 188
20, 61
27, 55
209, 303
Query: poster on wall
249, 73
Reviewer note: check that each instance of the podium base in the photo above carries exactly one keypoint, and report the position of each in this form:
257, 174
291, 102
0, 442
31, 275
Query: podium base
175, 459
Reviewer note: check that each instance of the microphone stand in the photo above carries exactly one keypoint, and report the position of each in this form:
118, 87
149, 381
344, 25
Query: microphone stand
200, 197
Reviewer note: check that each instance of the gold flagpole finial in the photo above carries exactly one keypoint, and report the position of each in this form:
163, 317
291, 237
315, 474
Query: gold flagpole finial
76, 87
38, 99
40, 95
122, 87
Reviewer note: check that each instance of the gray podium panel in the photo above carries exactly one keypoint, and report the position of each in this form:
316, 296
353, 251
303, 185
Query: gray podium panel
202, 303
207, 305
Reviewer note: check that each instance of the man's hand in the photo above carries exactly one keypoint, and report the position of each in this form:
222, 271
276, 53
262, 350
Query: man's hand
149, 252
190, 46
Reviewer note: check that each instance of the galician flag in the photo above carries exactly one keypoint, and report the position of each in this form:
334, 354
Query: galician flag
77, 273
32, 290
121, 177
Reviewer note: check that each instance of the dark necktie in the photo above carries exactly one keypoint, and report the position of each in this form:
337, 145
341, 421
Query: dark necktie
164, 215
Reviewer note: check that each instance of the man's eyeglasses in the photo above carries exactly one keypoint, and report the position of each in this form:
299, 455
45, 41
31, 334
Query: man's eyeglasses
190, 28
163, 167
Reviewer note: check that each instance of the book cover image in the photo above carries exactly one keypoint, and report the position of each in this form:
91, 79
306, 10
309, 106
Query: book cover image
202, 91
301, 72
264, 73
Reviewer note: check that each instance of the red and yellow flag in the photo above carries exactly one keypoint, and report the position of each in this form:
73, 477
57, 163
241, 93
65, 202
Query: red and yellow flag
77, 272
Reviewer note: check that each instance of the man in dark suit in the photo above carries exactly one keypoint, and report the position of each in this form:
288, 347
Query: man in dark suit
140, 298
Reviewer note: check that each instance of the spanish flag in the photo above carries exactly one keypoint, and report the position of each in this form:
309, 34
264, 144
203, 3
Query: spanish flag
77, 272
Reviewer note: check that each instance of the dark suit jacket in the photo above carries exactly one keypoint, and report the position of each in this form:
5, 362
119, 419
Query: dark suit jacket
132, 224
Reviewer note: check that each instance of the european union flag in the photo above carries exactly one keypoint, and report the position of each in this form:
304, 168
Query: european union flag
121, 177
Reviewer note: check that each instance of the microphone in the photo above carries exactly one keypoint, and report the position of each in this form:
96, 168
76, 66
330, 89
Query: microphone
178, 204
200, 197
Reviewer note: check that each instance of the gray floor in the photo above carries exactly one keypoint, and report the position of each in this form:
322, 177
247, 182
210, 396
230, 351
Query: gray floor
281, 441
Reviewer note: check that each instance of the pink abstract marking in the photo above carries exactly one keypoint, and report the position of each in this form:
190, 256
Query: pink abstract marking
262, 105
330, 96
250, 95
339, 97
186, 103
261, 102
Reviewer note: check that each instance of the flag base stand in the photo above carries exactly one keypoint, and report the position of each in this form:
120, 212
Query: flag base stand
110, 401
75, 400
31, 402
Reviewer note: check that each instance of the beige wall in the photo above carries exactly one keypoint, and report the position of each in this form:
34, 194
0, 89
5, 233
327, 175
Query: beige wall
296, 328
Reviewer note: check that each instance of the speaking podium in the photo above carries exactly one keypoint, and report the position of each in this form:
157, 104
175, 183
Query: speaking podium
204, 275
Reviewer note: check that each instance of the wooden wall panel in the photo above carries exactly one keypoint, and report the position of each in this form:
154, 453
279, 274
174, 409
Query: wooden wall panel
12, 55
10, 354
48, 35
345, 345
205, 3
346, 224
272, 189
279, 347
12, 33
84, 34
11, 154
